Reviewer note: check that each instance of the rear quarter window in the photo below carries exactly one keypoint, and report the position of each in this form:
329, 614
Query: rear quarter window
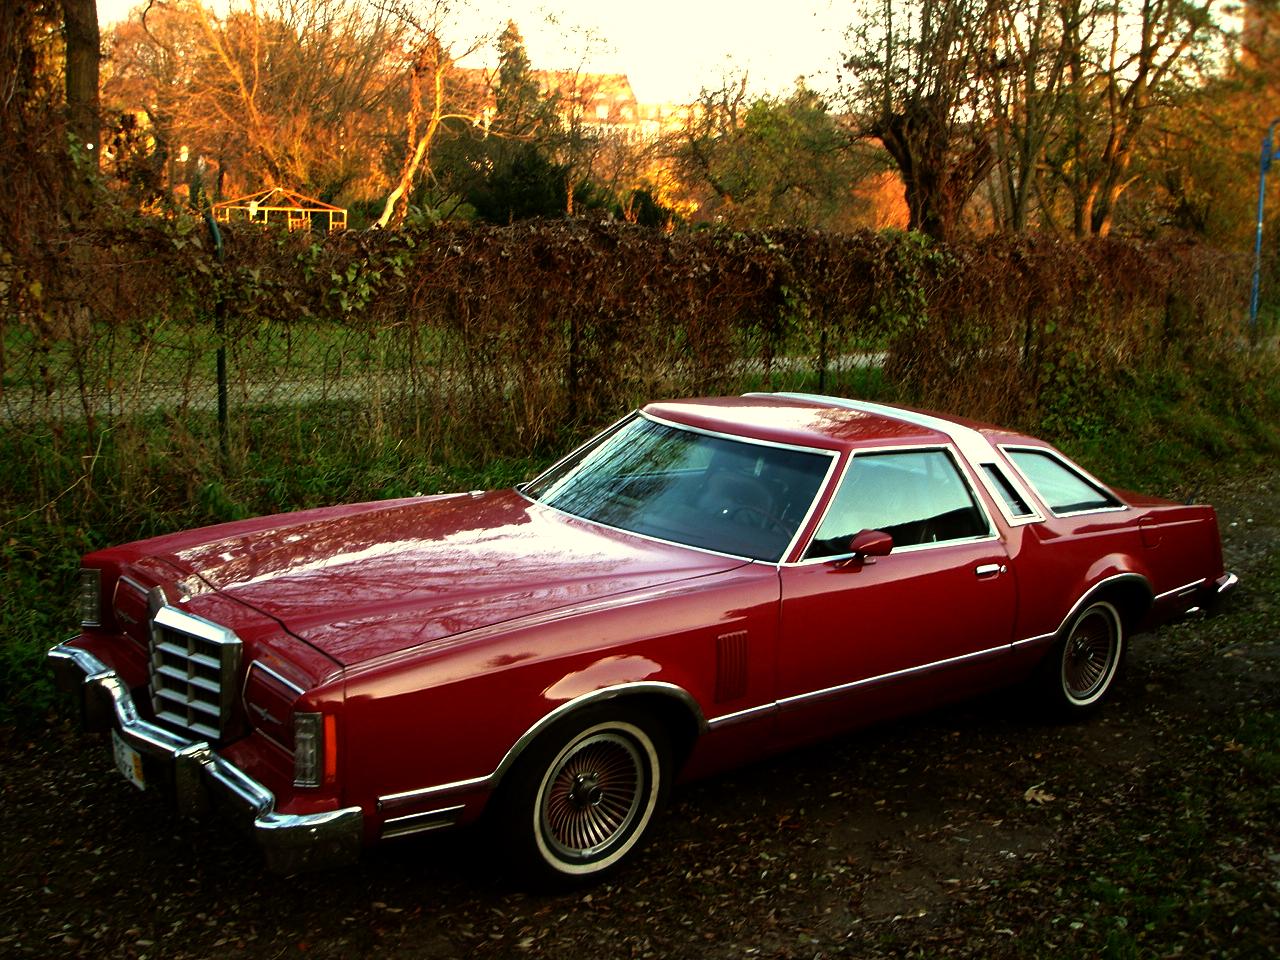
1062, 488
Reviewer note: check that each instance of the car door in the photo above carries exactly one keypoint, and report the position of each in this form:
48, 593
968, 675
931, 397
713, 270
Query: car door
862, 637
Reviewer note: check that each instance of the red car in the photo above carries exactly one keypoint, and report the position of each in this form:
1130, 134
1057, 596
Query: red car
705, 582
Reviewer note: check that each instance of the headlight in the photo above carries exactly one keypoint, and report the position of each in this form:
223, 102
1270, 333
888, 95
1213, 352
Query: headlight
315, 749
90, 598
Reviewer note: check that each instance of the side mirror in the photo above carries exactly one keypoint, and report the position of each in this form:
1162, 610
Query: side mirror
869, 544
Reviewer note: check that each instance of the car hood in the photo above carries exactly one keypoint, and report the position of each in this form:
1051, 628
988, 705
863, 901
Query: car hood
364, 581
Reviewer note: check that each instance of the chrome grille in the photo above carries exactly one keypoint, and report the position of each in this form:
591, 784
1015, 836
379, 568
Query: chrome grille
193, 664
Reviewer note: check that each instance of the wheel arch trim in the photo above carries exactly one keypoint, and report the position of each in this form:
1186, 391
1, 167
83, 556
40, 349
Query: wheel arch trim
669, 691
1095, 591
634, 689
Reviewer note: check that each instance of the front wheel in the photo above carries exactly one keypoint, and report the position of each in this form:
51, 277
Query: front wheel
1083, 665
581, 799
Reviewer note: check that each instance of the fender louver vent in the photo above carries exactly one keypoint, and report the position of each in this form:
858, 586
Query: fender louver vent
731, 665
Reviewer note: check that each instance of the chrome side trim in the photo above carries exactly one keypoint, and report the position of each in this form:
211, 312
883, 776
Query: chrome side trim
290, 842
420, 822
1037, 639
1185, 588
786, 702
399, 799
739, 716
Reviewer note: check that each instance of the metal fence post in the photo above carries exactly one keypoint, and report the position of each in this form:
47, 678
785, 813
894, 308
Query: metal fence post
1268, 155
220, 330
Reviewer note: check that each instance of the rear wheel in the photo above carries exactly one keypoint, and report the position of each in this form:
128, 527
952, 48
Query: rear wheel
1083, 666
580, 800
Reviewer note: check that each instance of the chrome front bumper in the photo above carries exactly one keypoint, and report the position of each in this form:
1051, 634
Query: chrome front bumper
201, 778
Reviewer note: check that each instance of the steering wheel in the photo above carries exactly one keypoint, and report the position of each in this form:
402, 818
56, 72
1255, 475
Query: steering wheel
767, 521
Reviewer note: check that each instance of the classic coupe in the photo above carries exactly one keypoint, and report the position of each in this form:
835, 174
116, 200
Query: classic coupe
705, 582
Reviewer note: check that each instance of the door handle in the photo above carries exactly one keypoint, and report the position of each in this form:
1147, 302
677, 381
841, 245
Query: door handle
989, 569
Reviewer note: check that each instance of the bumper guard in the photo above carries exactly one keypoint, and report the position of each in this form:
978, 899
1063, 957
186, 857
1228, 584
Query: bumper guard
1223, 587
289, 842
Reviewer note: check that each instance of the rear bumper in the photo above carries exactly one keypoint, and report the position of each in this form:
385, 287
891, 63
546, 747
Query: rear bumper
201, 778
1224, 586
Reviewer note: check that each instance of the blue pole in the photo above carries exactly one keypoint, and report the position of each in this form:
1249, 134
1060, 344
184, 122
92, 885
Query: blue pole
1268, 154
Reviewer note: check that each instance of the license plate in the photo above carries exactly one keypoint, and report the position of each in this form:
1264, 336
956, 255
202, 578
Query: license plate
128, 761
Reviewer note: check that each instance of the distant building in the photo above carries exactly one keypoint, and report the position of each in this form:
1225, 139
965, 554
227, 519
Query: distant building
602, 103
286, 208
605, 103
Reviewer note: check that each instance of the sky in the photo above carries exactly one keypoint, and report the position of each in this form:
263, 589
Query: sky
669, 49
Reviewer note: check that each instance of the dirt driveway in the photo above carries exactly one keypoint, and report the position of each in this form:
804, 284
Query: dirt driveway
1153, 830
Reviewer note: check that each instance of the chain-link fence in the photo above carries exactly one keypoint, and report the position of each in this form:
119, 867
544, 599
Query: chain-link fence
496, 339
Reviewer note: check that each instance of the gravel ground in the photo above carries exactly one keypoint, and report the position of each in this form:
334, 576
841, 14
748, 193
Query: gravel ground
972, 831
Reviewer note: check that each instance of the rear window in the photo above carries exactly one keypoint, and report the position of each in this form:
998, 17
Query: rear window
1062, 489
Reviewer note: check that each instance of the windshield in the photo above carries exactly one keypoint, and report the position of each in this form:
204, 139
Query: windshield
732, 496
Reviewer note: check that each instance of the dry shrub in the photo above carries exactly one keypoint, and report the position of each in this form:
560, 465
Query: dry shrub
1017, 326
471, 340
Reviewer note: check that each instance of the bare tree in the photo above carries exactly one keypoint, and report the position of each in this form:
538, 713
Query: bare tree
700, 159
1024, 91
305, 84
1125, 61
288, 92
430, 64
915, 84
430, 67
580, 143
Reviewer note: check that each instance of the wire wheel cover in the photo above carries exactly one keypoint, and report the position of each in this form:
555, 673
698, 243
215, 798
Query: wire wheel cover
1089, 656
595, 795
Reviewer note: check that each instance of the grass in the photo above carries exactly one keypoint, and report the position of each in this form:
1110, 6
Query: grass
1174, 429
1187, 864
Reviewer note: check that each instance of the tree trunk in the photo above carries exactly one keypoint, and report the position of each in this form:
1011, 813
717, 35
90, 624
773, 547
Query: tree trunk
433, 63
80, 20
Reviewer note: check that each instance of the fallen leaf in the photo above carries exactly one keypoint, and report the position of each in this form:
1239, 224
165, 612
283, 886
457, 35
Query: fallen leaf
1036, 795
